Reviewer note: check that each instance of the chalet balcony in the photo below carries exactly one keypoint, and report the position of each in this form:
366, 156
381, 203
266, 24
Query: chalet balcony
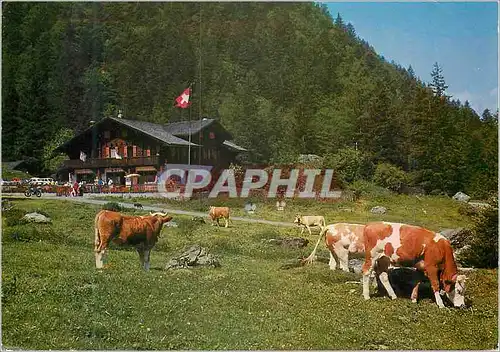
111, 162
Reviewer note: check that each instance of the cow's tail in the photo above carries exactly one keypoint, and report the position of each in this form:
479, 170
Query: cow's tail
312, 256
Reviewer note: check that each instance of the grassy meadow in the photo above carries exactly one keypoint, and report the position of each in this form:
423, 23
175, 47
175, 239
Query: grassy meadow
54, 298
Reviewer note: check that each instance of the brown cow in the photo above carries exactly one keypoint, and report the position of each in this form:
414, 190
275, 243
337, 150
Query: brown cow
139, 231
408, 245
341, 239
216, 213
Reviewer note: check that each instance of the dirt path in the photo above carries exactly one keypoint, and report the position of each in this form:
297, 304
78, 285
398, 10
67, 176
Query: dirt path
152, 208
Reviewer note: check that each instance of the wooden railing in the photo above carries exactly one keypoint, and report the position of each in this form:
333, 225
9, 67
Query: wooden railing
91, 163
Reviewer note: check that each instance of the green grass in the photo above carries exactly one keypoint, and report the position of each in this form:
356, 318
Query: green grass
53, 298
433, 212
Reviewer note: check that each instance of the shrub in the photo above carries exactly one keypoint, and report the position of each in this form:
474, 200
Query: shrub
367, 189
482, 249
349, 164
113, 206
31, 233
13, 216
390, 177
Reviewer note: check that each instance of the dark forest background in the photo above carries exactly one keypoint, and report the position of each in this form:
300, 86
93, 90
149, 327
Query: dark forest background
284, 78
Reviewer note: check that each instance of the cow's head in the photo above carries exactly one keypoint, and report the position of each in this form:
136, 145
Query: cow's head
162, 217
297, 219
455, 290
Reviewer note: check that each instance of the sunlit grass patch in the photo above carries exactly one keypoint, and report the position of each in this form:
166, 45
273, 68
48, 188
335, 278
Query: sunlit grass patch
54, 298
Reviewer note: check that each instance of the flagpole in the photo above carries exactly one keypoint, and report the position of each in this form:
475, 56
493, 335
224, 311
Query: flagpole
199, 73
189, 129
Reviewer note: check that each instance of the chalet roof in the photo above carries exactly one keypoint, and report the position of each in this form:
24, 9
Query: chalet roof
181, 128
155, 130
167, 133
230, 145
11, 165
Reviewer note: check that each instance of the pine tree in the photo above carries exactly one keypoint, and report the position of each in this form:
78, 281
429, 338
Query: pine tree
339, 22
438, 84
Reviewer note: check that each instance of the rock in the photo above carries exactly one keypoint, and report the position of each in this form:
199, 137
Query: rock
461, 197
250, 208
356, 265
198, 219
280, 205
193, 256
450, 233
458, 237
36, 217
479, 205
170, 224
289, 242
378, 210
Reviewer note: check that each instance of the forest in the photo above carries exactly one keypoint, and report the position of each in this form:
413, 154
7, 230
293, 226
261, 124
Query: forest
284, 78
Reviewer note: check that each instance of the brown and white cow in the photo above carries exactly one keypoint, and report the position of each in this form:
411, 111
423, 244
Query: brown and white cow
309, 220
216, 213
139, 231
408, 245
340, 239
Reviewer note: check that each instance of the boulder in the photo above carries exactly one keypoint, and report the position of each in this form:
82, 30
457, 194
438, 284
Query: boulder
193, 256
461, 197
289, 242
378, 210
170, 224
37, 218
479, 205
458, 237
450, 233
250, 208
356, 265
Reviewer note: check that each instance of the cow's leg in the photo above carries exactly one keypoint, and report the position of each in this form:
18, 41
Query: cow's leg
147, 253
302, 229
367, 271
99, 259
141, 252
309, 229
342, 255
227, 222
384, 278
414, 293
432, 273
332, 263
101, 249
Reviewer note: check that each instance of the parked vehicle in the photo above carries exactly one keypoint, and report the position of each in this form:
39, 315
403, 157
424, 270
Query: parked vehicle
42, 181
33, 191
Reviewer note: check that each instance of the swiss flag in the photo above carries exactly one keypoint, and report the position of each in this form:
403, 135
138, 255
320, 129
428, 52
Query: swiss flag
183, 99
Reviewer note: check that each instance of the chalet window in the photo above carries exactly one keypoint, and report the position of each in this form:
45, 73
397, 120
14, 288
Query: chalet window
211, 135
124, 133
107, 135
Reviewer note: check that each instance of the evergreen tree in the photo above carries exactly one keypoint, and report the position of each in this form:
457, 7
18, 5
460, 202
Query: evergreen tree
438, 83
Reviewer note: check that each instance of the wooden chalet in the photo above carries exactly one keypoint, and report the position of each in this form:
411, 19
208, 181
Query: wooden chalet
116, 147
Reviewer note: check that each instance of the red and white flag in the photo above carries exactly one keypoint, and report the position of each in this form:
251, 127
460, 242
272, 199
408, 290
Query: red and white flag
183, 99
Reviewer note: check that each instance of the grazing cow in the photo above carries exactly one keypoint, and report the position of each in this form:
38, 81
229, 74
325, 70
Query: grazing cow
408, 245
138, 206
341, 239
307, 221
139, 231
216, 213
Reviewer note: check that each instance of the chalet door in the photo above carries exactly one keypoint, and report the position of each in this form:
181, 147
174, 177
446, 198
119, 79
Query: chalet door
130, 150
